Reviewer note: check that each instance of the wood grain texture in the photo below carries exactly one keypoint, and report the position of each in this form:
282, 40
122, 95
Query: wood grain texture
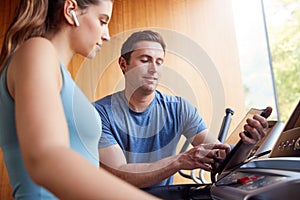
5, 187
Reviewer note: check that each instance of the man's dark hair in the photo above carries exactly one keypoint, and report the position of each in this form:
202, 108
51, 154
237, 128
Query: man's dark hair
147, 35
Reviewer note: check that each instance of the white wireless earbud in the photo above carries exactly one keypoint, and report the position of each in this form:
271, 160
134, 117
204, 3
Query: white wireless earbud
72, 12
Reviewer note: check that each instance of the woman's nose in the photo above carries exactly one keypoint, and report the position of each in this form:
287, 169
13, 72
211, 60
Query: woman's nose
105, 34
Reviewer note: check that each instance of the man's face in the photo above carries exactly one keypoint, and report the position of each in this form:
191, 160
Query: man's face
144, 67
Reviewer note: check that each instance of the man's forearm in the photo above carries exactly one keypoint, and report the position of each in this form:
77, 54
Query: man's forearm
143, 175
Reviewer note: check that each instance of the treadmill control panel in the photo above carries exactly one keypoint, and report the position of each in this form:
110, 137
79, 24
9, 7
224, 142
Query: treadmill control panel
249, 181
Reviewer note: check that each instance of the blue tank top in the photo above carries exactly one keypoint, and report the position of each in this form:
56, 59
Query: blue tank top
84, 126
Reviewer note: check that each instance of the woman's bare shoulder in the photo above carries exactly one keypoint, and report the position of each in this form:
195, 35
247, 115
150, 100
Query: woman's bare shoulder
36, 57
37, 46
35, 51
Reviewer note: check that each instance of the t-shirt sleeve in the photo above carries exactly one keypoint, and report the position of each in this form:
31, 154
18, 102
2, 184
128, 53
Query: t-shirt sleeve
107, 138
192, 122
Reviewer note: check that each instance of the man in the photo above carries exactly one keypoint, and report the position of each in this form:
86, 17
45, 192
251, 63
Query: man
142, 126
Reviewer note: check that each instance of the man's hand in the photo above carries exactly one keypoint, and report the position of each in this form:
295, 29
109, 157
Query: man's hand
256, 128
203, 156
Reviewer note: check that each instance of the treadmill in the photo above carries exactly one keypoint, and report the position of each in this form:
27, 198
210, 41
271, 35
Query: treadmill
269, 170
273, 176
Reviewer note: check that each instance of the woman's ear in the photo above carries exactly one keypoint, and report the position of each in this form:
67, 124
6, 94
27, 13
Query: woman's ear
122, 64
70, 8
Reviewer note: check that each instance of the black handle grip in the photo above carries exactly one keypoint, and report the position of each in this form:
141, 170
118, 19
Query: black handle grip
225, 125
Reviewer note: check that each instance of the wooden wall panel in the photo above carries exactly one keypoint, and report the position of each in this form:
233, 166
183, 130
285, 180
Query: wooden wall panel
7, 9
208, 23
5, 187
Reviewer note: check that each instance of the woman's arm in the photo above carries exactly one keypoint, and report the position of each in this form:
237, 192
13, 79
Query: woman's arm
34, 81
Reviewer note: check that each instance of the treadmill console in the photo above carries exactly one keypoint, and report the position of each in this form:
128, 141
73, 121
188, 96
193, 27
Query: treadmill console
260, 183
276, 176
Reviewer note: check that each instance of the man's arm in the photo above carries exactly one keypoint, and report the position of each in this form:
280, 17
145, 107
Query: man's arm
139, 174
147, 174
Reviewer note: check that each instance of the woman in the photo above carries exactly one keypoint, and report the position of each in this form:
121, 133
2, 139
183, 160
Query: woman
49, 130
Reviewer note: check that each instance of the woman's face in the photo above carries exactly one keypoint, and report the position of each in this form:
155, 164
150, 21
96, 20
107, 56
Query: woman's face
92, 30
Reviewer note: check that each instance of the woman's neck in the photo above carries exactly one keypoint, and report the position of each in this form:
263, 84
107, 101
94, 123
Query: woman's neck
60, 43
